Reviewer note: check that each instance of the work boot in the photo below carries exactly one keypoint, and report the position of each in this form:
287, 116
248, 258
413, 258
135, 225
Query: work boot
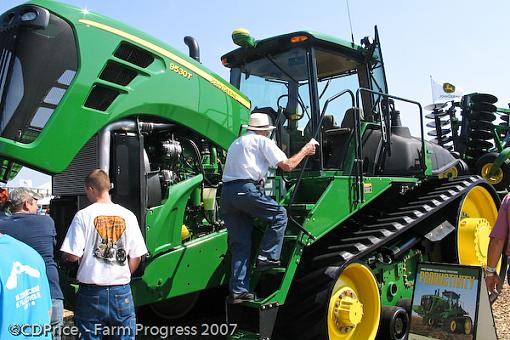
266, 264
241, 297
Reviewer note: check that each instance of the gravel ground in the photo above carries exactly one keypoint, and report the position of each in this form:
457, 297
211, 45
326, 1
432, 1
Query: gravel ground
501, 313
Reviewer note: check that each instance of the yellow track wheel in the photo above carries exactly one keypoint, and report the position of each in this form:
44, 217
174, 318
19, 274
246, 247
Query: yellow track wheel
354, 306
477, 216
468, 326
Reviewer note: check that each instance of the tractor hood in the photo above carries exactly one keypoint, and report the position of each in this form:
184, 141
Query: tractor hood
65, 74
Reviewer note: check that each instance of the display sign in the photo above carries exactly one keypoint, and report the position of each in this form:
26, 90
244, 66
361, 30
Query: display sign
450, 302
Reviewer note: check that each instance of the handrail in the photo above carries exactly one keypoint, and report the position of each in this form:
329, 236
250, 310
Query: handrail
298, 181
422, 161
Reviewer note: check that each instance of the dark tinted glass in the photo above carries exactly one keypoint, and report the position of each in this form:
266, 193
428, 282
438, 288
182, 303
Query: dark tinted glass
37, 64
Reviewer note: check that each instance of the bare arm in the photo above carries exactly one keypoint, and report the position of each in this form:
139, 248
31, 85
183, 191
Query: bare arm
66, 257
291, 163
133, 263
494, 282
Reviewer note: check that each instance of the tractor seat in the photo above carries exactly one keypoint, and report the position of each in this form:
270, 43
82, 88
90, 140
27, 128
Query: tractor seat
336, 132
345, 128
338, 138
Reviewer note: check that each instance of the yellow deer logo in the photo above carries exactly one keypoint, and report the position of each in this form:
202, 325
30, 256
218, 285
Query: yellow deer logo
448, 88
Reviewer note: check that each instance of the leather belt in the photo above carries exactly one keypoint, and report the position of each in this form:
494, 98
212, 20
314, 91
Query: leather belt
240, 181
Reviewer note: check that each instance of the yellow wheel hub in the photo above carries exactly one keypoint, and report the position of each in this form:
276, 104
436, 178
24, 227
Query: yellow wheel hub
478, 231
354, 306
478, 215
496, 179
348, 310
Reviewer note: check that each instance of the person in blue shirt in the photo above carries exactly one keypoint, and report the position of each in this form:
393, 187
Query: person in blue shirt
25, 301
37, 231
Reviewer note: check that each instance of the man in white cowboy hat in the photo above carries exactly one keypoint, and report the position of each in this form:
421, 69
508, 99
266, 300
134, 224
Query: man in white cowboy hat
242, 199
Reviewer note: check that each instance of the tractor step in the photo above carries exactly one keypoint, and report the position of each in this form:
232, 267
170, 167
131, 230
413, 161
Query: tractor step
302, 206
275, 270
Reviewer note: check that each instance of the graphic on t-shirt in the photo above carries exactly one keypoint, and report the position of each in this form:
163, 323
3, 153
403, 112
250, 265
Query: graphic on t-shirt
28, 297
110, 243
17, 269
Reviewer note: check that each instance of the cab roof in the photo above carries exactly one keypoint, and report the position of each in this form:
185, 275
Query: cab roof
281, 43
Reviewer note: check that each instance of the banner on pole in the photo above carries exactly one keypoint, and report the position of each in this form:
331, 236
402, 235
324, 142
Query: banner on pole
443, 91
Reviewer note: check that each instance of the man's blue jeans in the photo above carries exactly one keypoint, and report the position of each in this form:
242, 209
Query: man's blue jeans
241, 202
57, 318
105, 310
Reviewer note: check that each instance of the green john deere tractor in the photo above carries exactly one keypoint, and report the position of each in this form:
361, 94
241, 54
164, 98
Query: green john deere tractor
444, 310
80, 91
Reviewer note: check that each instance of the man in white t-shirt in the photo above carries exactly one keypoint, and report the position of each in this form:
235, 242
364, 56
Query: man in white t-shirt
106, 240
242, 199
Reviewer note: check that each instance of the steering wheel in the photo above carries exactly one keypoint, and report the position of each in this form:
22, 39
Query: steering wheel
295, 116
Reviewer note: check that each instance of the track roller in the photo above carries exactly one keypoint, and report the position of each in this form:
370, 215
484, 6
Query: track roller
394, 323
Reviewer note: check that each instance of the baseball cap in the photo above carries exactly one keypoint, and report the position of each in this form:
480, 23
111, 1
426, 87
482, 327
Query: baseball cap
20, 195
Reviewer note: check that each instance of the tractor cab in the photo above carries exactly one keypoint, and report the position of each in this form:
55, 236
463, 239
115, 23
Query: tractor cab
301, 75
426, 302
317, 86
452, 298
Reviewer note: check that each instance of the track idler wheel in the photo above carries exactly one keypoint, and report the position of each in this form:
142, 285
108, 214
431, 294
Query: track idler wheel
394, 323
477, 215
501, 180
354, 305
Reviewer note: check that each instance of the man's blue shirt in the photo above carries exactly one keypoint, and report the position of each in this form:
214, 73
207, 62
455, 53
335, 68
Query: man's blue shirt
37, 231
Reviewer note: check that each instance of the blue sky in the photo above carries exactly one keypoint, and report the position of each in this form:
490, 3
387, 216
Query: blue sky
463, 42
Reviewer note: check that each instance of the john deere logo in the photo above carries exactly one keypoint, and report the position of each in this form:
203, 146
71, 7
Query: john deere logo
448, 88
